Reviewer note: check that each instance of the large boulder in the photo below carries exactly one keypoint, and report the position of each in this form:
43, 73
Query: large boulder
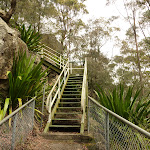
10, 44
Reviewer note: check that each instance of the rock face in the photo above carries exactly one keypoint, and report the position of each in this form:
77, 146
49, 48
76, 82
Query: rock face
10, 44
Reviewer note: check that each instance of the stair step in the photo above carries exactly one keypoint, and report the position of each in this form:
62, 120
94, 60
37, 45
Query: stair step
73, 91
65, 119
70, 102
73, 88
71, 95
65, 126
74, 82
79, 79
80, 75
67, 113
79, 84
70, 99
69, 107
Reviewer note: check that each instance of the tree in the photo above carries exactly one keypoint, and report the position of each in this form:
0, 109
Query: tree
68, 22
97, 33
7, 15
137, 15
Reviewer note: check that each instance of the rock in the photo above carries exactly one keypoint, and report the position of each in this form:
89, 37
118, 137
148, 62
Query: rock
10, 44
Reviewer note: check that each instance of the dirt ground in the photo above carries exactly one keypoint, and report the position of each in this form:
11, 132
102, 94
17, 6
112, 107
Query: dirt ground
37, 142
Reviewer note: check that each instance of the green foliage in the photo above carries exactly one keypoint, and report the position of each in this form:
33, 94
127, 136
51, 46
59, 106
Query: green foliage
4, 110
26, 79
125, 103
30, 37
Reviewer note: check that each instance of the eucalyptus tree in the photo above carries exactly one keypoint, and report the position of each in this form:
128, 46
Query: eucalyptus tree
9, 10
68, 20
97, 33
137, 36
29, 12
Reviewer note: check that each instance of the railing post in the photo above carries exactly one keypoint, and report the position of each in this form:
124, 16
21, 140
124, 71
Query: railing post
14, 132
43, 104
42, 53
70, 68
59, 89
107, 131
60, 61
63, 63
88, 116
50, 115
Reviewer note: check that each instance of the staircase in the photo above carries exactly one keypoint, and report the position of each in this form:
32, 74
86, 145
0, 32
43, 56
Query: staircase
67, 100
68, 114
52, 59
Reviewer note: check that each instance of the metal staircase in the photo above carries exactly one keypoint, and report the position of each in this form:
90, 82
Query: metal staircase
68, 114
51, 58
67, 100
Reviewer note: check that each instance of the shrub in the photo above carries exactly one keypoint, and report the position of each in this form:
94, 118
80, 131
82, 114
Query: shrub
125, 103
25, 79
30, 37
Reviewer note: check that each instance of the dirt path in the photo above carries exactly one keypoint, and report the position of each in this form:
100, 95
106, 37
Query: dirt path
37, 142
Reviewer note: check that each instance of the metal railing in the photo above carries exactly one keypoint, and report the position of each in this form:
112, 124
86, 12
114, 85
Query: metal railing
84, 96
112, 132
54, 96
15, 128
52, 56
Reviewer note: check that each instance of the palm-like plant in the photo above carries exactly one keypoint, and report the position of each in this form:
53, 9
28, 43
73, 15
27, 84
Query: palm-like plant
25, 79
126, 104
4, 109
30, 37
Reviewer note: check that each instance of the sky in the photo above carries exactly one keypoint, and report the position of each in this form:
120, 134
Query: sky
98, 8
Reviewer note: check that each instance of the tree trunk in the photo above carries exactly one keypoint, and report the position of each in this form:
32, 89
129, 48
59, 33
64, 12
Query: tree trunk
6, 16
137, 52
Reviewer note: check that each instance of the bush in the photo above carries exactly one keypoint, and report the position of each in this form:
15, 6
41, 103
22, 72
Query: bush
25, 80
30, 37
126, 104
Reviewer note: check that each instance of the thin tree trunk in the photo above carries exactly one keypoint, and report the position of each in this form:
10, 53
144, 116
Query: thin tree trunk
137, 52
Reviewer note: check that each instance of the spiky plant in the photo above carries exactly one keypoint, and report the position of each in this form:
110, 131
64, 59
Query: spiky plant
125, 103
3, 110
25, 79
30, 37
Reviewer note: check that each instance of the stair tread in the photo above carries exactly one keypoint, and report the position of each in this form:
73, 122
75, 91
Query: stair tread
67, 113
73, 85
70, 94
72, 91
70, 102
80, 75
78, 79
68, 107
65, 119
73, 88
67, 126
74, 82
69, 98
